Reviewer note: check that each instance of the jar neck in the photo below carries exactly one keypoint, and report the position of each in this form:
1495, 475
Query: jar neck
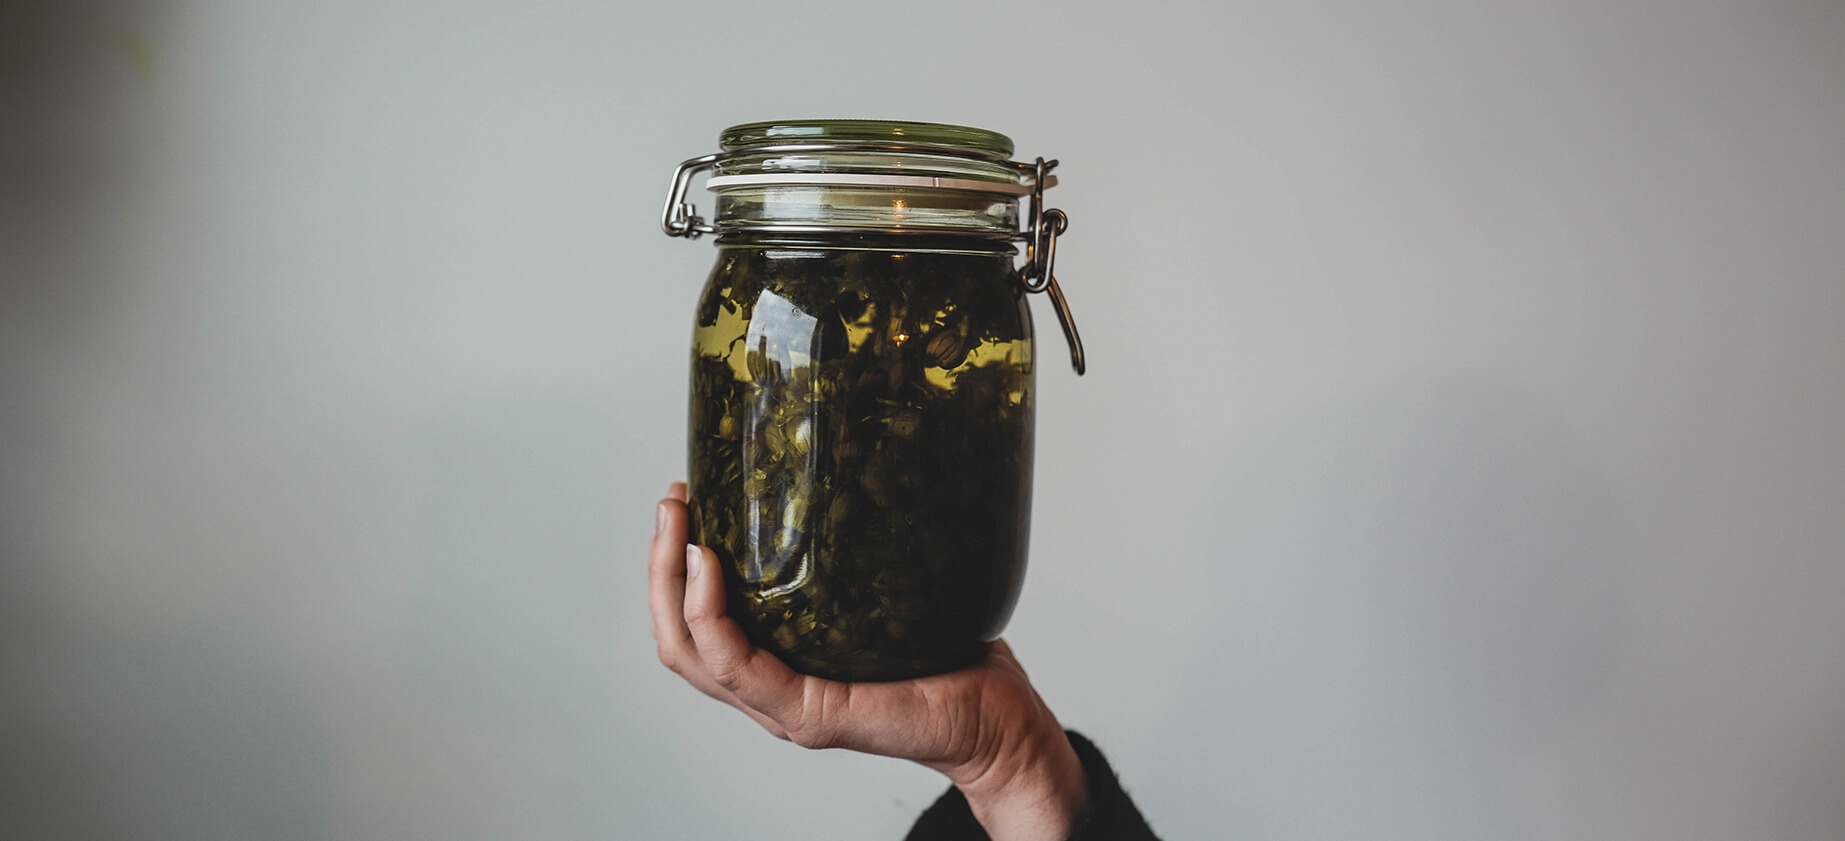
814, 206
932, 243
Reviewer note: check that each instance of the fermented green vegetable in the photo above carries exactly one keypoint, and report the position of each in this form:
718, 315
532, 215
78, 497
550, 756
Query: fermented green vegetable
861, 430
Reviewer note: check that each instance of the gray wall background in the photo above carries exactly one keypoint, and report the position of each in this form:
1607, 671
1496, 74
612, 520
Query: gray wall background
1463, 454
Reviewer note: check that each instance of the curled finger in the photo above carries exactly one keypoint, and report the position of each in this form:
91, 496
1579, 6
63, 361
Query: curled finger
666, 583
754, 676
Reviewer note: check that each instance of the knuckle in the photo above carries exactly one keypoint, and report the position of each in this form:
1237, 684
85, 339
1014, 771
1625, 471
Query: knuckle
810, 737
726, 674
774, 727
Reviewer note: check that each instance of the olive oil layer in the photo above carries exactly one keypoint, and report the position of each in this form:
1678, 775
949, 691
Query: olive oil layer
861, 432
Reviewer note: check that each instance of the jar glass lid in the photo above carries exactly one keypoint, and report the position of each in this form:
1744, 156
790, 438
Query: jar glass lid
780, 132
863, 177
871, 154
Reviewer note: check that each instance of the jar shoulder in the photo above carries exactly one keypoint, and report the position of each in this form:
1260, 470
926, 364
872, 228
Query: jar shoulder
977, 291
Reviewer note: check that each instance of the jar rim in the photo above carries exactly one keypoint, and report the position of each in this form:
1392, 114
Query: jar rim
944, 135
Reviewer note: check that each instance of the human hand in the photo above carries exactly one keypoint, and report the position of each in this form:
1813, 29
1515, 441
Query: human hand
984, 727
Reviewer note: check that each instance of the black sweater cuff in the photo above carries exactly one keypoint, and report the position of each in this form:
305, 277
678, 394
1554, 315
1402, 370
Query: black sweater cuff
1110, 815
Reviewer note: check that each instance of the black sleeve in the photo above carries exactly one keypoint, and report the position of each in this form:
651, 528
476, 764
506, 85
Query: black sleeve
1111, 816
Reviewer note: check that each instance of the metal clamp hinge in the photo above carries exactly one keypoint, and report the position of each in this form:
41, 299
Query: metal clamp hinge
680, 218
1036, 275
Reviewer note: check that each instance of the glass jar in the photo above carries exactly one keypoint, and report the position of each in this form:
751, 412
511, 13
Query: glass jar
861, 403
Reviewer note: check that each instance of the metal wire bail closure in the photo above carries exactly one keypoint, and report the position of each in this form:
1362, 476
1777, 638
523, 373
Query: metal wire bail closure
679, 218
1041, 258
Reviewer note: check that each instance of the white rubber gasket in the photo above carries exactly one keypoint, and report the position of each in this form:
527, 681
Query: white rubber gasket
846, 179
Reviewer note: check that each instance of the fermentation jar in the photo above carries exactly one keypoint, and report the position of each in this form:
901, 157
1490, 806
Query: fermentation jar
861, 401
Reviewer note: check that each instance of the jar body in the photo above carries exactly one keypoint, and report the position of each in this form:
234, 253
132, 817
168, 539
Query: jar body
860, 448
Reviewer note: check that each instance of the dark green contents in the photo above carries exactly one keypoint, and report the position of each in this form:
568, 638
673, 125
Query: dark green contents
861, 429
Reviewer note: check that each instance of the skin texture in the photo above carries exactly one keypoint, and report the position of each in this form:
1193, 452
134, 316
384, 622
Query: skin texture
983, 727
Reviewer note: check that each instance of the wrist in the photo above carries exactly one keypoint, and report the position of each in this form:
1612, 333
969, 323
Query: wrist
1032, 790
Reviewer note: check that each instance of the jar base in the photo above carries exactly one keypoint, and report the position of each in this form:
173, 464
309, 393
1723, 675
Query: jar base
885, 668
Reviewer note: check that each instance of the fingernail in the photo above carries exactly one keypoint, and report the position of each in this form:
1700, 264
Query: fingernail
659, 519
694, 559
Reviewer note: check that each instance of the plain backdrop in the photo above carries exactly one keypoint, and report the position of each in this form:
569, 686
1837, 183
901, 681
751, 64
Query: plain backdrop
1462, 454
